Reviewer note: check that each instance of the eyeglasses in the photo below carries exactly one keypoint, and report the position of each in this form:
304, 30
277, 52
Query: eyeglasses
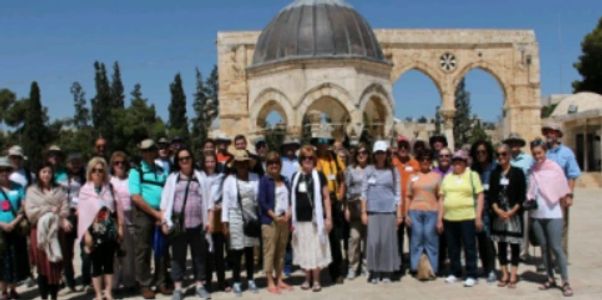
98, 171
502, 154
184, 158
273, 162
362, 152
445, 155
119, 163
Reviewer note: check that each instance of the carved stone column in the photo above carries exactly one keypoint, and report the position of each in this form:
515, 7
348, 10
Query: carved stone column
448, 126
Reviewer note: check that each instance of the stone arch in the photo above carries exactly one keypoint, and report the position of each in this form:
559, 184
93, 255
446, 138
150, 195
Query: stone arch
375, 102
423, 68
330, 90
490, 69
271, 100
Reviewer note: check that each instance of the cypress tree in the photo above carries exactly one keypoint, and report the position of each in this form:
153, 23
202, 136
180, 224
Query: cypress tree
462, 118
117, 92
199, 122
101, 103
81, 118
34, 129
178, 122
590, 62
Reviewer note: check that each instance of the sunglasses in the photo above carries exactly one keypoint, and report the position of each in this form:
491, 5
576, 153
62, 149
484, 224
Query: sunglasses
502, 154
119, 163
98, 171
273, 162
304, 158
184, 158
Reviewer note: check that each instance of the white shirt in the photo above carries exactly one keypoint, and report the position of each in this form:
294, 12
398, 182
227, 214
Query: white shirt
281, 200
19, 177
545, 210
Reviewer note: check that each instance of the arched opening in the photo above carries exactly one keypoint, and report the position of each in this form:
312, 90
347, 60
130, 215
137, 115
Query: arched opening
417, 99
483, 117
326, 114
375, 117
272, 123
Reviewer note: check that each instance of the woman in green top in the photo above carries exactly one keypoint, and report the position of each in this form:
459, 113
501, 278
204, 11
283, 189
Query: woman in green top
14, 265
460, 212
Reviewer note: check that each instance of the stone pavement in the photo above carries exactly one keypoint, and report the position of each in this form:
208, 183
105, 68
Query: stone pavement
585, 272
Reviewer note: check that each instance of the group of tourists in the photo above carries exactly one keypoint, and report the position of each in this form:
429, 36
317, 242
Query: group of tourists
315, 206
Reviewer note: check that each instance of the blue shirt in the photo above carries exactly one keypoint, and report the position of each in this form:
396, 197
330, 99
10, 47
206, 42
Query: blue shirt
15, 197
524, 162
151, 185
60, 176
565, 158
289, 167
267, 198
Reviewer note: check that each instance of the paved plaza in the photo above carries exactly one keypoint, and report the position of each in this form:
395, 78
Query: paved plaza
585, 272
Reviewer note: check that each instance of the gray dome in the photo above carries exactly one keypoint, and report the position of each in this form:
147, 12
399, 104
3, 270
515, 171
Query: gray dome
309, 29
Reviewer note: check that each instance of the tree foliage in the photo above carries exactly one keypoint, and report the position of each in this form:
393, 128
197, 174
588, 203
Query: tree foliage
81, 117
117, 91
35, 133
102, 102
178, 121
590, 62
462, 118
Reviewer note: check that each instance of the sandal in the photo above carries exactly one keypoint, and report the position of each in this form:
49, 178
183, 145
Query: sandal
305, 286
317, 288
567, 291
512, 284
274, 290
548, 285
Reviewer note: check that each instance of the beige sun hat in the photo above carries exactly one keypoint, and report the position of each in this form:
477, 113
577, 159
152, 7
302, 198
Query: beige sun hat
147, 144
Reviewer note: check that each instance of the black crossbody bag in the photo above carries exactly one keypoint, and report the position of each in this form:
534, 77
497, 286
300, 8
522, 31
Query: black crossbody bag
252, 227
178, 218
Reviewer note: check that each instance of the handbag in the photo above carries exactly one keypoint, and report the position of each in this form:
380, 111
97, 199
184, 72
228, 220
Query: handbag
530, 204
178, 218
252, 227
23, 227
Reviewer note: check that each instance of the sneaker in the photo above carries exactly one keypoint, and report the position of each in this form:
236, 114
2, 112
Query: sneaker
470, 282
491, 278
237, 288
374, 280
30, 282
351, 274
385, 280
451, 279
177, 295
202, 293
253, 286
147, 293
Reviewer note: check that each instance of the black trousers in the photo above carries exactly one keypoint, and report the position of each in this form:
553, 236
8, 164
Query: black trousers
216, 260
102, 259
502, 249
337, 267
462, 233
235, 260
486, 252
193, 238
46, 289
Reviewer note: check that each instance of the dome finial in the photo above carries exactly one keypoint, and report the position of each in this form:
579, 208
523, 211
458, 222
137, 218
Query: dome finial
298, 3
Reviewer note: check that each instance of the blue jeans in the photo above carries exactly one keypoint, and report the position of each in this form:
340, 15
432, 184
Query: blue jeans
424, 238
460, 233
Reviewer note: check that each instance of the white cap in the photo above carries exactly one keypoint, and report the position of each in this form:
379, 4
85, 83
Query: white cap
380, 146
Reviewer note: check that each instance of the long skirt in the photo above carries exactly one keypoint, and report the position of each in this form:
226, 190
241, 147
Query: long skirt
14, 262
308, 251
52, 271
382, 249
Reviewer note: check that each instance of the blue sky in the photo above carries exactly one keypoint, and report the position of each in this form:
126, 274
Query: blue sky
56, 42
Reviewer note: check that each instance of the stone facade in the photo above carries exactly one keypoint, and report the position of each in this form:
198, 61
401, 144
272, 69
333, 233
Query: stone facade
358, 92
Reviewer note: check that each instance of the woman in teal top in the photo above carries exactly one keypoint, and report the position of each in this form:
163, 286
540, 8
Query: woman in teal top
14, 265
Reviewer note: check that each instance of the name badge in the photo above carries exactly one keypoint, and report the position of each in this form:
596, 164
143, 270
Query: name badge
303, 187
415, 178
371, 180
332, 177
459, 180
504, 181
409, 169
486, 186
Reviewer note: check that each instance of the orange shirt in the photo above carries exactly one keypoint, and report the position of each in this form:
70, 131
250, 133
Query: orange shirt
223, 158
406, 170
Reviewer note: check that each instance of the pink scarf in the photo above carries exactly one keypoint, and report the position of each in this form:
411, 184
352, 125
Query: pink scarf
90, 203
549, 179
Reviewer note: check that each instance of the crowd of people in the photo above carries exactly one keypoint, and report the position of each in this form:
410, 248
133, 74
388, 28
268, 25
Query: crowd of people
312, 207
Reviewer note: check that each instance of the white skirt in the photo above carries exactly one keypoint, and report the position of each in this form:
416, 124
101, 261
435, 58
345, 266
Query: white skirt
308, 252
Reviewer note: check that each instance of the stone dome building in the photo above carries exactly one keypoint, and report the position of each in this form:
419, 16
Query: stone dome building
318, 63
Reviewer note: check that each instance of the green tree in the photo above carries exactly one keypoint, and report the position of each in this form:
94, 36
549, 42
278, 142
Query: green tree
7, 100
438, 120
212, 85
590, 62
462, 118
200, 126
477, 132
102, 102
35, 133
137, 122
117, 92
178, 122
81, 118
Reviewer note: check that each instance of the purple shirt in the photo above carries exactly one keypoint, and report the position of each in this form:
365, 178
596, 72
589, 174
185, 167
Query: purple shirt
440, 172
193, 214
